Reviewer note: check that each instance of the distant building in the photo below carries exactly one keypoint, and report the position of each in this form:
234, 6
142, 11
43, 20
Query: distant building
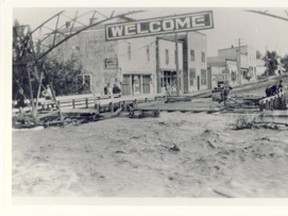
139, 65
229, 60
222, 69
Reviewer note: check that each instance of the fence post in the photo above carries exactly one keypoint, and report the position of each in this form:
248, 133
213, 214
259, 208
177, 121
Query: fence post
124, 106
86, 102
111, 106
261, 105
97, 107
73, 103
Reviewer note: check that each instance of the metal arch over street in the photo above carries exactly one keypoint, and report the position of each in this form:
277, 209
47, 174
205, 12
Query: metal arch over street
269, 14
161, 25
28, 54
66, 26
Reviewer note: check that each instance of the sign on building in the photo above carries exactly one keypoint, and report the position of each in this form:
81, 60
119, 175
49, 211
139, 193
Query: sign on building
111, 63
161, 25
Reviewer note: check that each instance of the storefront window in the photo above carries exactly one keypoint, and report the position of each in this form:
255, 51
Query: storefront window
136, 84
192, 76
146, 84
126, 85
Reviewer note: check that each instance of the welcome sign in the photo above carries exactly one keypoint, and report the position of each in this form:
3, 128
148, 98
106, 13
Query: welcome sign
161, 25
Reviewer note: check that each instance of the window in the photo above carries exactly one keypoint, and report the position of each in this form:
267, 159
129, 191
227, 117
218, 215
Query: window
136, 84
148, 53
192, 76
126, 85
129, 51
203, 56
166, 56
192, 55
203, 77
146, 84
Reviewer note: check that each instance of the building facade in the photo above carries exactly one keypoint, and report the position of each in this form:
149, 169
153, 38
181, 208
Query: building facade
222, 69
247, 61
237, 68
139, 66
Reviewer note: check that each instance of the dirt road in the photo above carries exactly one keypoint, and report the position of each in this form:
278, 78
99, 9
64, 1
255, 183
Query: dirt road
176, 155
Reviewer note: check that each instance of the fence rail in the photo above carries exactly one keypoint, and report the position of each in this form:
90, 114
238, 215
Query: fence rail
276, 102
102, 103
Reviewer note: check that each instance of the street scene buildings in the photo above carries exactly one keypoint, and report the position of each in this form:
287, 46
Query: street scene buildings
158, 103
141, 65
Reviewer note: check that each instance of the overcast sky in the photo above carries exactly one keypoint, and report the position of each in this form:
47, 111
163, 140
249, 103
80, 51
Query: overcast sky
230, 24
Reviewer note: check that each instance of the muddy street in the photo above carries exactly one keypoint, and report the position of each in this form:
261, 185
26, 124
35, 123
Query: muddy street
175, 155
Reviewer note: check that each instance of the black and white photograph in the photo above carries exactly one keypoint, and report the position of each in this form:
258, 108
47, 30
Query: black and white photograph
149, 102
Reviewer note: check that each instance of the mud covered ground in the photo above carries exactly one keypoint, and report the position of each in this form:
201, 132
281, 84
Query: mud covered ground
175, 155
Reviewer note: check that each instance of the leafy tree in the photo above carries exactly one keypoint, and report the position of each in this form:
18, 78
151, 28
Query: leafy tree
271, 62
284, 61
64, 76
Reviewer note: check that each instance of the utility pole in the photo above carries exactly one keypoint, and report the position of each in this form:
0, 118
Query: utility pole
177, 64
239, 62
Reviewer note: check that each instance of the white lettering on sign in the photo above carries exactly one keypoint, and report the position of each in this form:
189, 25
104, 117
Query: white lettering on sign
168, 25
142, 28
140, 31
130, 29
155, 26
198, 21
186, 23
117, 30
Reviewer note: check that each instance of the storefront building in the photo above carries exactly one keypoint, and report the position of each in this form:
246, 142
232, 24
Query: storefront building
140, 66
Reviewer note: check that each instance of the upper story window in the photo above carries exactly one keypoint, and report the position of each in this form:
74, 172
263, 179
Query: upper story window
148, 53
192, 55
203, 57
129, 50
167, 56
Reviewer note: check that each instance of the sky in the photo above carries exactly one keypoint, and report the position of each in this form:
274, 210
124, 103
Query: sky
230, 25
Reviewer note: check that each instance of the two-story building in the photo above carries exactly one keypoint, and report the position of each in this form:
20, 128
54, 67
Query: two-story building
238, 65
139, 65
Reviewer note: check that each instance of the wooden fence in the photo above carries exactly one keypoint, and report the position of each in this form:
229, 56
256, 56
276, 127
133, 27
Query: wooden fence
276, 102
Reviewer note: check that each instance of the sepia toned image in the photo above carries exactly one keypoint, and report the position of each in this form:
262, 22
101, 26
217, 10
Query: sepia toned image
150, 102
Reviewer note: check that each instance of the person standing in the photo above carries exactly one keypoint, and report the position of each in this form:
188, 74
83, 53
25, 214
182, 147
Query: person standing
47, 93
105, 90
225, 92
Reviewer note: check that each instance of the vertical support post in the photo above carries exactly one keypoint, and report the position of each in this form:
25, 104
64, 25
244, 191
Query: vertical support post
31, 92
111, 107
39, 88
73, 103
124, 106
239, 62
55, 101
86, 102
158, 77
177, 64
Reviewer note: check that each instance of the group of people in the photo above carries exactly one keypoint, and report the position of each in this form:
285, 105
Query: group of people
108, 90
270, 91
